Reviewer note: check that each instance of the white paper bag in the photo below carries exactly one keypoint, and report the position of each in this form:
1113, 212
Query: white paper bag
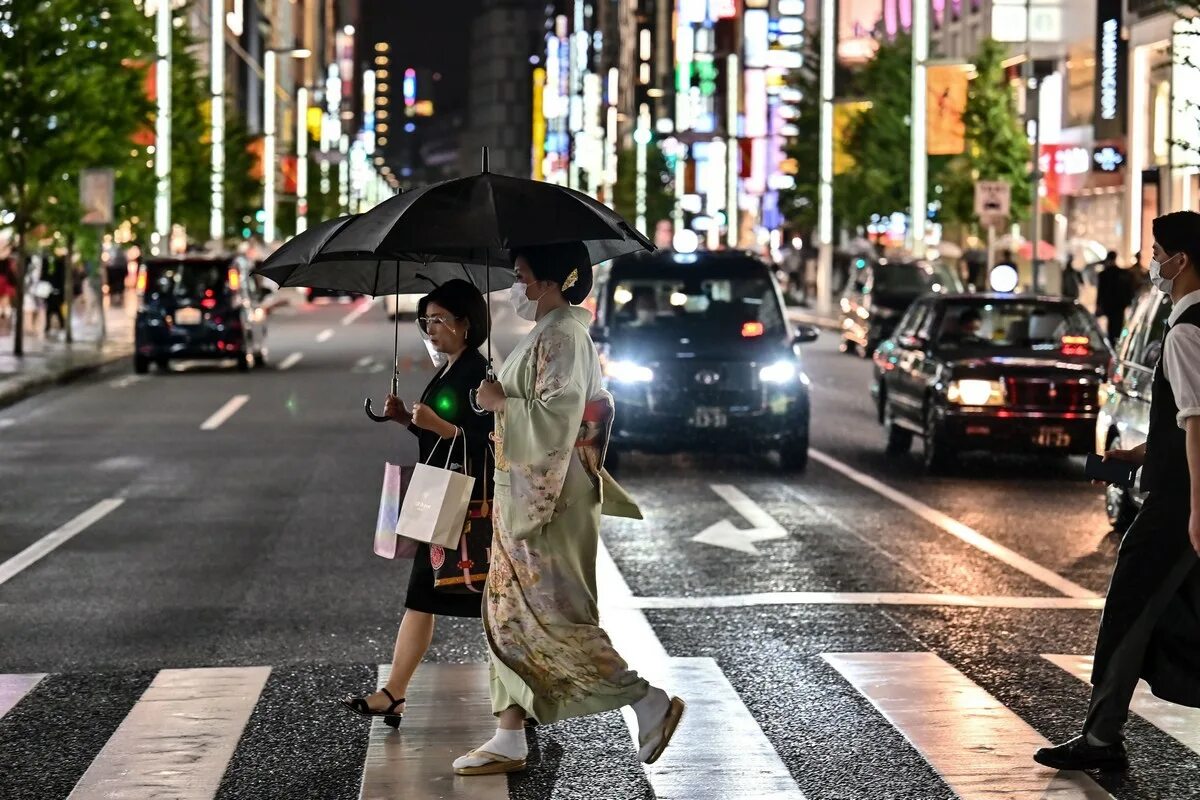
436, 502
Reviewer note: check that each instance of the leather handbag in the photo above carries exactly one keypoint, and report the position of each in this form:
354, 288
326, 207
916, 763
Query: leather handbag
464, 570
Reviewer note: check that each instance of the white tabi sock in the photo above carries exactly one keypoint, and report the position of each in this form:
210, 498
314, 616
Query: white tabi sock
650, 711
509, 744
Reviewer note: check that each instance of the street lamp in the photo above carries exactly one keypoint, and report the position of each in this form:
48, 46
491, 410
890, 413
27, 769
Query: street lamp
162, 129
269, 165
301, 159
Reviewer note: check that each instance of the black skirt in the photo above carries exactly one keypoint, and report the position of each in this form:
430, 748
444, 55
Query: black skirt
424, 596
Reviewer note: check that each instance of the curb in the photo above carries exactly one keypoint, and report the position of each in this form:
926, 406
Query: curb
24, 388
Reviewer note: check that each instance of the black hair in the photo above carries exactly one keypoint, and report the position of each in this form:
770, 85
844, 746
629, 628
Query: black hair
462, 299
1179, 232
556, 263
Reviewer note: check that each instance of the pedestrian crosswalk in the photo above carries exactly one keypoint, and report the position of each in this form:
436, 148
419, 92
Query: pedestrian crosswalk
180, 735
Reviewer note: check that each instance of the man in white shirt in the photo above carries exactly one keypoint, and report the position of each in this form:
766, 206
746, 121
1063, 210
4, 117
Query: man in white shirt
1151, 623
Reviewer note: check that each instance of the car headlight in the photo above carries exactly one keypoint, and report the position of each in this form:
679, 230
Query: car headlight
628, 372
779, 372
969, 392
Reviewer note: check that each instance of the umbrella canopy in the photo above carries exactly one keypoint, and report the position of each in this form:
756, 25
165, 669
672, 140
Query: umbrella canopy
477, 220
299, 262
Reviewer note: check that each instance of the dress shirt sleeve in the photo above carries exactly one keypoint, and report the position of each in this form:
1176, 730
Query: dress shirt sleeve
1181, 357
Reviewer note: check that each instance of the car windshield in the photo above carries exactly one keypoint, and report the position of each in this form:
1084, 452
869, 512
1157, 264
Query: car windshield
1030, 326
185, 281
700, 305
911, 279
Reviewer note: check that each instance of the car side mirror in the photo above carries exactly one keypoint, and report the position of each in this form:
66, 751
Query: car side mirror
806, 333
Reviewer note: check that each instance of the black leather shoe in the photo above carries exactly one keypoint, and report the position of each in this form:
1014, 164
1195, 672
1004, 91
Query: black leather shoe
1078, 754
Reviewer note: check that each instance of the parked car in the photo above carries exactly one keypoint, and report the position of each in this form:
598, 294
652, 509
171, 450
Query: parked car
700, 356
991, 372
1124, 418
404, 305
879, 293
198, 307
314, 294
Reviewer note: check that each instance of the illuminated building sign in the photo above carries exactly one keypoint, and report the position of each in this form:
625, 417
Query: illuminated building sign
1110, 71
1108, 158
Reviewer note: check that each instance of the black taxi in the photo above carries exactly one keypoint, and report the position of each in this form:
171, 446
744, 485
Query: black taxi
1005, 373
700, 356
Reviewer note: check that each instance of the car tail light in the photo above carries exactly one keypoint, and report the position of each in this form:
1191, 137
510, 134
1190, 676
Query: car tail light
752, 329
208, 302
1075, 346
234, 278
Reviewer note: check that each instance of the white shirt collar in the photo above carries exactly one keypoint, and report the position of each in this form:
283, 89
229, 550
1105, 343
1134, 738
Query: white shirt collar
1190, 299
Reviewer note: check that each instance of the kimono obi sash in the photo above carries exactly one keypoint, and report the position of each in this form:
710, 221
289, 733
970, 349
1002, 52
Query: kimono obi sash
594, 426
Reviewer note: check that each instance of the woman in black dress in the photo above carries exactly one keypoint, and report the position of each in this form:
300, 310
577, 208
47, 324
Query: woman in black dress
454, 317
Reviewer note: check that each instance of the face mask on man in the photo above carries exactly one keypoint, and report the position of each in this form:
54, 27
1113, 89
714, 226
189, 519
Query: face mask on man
1164, 285
525, 307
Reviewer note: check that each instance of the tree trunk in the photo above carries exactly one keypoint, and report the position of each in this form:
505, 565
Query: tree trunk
22, 267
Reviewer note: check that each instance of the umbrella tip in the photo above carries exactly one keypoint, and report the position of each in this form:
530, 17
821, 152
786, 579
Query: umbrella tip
485, 159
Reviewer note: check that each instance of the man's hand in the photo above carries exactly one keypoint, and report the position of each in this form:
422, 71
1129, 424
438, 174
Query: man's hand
490, 396
393, 408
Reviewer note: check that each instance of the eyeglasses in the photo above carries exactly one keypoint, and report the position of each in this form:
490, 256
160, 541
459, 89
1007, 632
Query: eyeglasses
426, 322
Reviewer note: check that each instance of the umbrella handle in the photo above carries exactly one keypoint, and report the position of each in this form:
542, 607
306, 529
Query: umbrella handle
395, 390
491, 376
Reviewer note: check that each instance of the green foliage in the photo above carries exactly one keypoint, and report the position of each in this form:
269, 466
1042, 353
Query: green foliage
996, 144
799, 203
660, 201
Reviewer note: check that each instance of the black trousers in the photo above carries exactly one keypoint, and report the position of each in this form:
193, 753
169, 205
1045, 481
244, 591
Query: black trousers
1156, 569
1115, 321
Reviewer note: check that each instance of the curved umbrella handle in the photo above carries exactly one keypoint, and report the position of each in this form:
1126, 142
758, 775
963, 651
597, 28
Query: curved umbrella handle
372, 414
491, 376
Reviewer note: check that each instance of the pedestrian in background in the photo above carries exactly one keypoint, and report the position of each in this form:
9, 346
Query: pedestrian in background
550, 659
1151, 623
1114, 293
1070, 279
56, 277
454, 317
8, 294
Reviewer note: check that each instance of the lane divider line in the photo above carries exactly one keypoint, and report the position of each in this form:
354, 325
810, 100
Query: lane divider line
57, 538
363, 308
224, 412
325, 335
957, 529
15, 687
868, 599
7, 423
291, 361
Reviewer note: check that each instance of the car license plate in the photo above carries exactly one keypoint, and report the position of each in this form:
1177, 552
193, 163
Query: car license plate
708, 417
187, 316
1051, 436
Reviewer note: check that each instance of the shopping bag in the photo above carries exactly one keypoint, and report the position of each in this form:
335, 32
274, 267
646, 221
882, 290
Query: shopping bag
436, 501
465, 570
387, 543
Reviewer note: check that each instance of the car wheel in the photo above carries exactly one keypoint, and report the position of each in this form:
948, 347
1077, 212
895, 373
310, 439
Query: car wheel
260, 358
936, 453
898, 441
164, 364
243, 361
141, 365
793, 454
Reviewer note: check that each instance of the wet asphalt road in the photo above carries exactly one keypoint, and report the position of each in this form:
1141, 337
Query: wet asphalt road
248, 545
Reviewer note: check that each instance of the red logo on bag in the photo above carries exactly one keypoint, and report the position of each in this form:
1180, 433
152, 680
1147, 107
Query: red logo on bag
437, 556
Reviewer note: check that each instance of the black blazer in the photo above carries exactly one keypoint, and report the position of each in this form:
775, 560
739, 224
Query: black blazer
448, 394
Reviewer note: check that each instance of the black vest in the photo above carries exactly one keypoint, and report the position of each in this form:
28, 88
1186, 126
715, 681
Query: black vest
1166, 467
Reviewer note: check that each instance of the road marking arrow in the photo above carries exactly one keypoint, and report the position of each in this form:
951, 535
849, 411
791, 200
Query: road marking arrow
726, 534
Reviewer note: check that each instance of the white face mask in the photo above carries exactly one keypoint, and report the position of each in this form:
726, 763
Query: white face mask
1164, 285
525, 307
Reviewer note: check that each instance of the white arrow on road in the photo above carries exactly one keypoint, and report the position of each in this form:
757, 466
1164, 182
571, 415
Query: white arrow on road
726, 534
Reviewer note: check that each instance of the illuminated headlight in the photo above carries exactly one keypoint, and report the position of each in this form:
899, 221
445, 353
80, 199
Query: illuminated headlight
779, 372
629, 372
976, 393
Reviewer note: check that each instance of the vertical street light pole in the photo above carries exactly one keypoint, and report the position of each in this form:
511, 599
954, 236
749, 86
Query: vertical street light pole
216, 220
269, 166
732, 216
162, 130
919, 160
301, 159
1033, 96
641, 137
825, 159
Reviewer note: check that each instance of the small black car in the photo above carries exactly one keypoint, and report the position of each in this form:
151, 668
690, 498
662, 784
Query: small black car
991, 372
699, 354
197, 307
879, 293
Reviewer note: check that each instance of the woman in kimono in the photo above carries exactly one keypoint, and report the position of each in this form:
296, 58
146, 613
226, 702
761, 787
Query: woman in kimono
550, 659
454, 318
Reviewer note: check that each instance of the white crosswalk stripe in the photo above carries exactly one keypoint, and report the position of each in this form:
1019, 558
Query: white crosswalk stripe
179, 738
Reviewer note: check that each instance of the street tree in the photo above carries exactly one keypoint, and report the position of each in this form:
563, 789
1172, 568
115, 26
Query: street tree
997, 148
798, 203
71, 97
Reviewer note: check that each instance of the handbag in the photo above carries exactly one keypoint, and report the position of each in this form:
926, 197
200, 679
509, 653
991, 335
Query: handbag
388, 544
464, 570
436, 501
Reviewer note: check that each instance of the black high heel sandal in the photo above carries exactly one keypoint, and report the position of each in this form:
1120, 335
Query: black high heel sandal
390, 718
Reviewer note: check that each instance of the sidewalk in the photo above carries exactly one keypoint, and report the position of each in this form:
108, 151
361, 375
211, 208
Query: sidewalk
809, 316
50, 361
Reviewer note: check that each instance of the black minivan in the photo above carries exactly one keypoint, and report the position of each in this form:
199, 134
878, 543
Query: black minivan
198, 307
700, 356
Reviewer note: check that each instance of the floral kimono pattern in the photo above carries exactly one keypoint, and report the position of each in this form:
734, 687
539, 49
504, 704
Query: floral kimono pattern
548, 653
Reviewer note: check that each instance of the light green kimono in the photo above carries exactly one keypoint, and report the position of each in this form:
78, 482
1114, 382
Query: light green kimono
548, 653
